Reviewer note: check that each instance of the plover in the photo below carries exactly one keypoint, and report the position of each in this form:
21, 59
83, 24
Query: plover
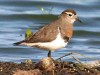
54, 35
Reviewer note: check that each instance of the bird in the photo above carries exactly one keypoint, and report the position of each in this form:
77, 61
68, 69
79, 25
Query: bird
54, 35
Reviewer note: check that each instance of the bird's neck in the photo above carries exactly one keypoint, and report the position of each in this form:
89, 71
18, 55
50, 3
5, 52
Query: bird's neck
66, 26
67, 20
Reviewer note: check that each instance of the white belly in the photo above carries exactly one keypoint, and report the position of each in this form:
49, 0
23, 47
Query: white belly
53, 45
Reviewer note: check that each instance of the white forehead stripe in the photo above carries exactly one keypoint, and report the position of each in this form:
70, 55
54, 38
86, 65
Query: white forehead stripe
68, 12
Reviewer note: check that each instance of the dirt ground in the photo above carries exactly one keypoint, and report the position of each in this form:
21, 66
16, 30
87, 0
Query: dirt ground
39, 68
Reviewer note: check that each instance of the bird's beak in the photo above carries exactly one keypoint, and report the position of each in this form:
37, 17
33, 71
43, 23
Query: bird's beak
79, 20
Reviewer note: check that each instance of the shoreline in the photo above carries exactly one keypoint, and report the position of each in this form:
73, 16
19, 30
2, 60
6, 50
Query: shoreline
51, 66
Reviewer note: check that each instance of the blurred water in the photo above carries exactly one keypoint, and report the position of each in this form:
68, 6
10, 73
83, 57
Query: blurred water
16, 16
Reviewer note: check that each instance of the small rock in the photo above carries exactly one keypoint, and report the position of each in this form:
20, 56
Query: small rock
28, 61
46, 64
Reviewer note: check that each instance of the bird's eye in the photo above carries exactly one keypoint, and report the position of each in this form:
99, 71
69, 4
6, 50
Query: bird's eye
69, 14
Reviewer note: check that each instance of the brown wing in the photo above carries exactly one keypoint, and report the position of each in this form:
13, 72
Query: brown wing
45, 34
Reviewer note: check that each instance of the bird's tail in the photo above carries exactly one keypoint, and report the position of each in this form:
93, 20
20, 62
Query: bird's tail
18, 43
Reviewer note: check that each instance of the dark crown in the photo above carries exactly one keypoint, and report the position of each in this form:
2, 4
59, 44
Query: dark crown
69, 10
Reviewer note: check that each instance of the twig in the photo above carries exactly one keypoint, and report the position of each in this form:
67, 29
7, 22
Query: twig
77, 59
76, 54
64, 56
84, 66
83, 55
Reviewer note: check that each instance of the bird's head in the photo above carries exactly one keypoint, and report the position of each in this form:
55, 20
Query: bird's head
70, 16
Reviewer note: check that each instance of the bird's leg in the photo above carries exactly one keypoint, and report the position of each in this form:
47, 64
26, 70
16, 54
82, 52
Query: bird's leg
49, 54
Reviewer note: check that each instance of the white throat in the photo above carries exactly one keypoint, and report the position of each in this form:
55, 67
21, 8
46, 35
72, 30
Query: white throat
72, 21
